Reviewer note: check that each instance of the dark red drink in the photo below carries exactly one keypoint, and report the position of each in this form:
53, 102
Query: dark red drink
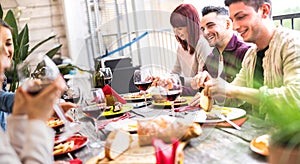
143, 86
171, 95
72, 99
37, 87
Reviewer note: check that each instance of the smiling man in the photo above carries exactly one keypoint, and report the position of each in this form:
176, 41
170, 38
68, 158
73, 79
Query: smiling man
229, 49
271, 69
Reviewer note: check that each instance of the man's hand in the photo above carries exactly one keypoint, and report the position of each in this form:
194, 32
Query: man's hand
200, 79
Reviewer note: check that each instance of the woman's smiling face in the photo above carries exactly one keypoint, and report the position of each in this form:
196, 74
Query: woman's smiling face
6, 50
181, 32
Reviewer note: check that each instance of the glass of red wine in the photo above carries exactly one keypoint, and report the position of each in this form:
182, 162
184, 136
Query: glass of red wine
170, 89
142, 82
94, 111
36, 73
107, 75
73, 94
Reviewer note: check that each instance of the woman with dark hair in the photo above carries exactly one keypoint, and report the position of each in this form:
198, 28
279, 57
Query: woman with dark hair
193, 48
28, 138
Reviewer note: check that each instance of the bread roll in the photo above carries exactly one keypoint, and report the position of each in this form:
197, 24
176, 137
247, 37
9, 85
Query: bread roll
117, 143
166, 128
205, 102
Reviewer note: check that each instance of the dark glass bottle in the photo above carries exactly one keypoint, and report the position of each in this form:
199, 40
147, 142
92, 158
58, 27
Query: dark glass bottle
99, 80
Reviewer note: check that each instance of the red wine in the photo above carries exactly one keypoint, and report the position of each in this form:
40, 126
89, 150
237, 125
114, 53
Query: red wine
72, 99
143, 86
171, 95
93, 112
37, 87
107, 80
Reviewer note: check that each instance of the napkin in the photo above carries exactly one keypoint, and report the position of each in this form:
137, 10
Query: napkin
239, 122
107, 90
105, 122
186, 108
75, 161
165, 154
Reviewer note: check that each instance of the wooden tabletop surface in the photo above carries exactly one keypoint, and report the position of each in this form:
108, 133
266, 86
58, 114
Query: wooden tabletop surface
215, 145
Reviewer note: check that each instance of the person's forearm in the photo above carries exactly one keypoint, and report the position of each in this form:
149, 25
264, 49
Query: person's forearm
249, 95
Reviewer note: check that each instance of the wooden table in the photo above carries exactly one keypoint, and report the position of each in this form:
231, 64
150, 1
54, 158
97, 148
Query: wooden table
215, 145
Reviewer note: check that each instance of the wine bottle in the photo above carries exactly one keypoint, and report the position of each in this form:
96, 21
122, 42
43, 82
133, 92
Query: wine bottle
99, 80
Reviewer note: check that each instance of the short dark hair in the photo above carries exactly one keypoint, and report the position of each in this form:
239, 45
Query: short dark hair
214, 9
254, 3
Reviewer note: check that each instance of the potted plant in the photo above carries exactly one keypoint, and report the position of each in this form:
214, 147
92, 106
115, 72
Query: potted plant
285, 138
21, 47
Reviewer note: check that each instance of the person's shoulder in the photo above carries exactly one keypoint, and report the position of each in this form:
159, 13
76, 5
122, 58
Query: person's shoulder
287, 33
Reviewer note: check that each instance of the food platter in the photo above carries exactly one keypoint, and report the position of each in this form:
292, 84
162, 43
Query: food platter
111, 113
135, 97
71, 144
260, 145
57, 124
128, 125
229, 112
182, 101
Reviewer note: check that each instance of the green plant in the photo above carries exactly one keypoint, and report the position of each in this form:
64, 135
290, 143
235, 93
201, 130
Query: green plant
285, 118
21, 46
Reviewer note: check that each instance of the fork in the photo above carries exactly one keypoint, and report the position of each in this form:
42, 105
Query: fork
224, 118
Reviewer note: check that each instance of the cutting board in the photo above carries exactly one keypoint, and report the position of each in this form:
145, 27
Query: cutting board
136, 154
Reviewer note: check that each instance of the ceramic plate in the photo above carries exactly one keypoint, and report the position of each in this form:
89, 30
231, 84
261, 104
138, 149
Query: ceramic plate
125, 108
229, 112
260, 145
71, 144
136, 97
128, 125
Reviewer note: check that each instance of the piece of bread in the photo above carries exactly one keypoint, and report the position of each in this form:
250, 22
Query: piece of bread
205, 102
165, 127
117, 142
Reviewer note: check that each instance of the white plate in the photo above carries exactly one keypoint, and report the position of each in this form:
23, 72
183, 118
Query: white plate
231, 114
198, 116
129, 125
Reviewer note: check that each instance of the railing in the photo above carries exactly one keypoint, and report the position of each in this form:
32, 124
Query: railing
289, 20
157, 49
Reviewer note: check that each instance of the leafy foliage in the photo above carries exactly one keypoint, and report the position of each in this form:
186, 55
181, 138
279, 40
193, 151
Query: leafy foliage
286, 120
21, 46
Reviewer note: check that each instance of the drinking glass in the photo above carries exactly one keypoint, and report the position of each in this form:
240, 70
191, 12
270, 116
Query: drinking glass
73, 94
170, 89
107, 75
94, 111
142, 82
219, 100
35, 74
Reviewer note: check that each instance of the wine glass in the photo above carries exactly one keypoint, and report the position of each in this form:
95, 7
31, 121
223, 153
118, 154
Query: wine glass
73, 94
219, 100
170, 89
142, 82
93, 110
107, 75
35, 74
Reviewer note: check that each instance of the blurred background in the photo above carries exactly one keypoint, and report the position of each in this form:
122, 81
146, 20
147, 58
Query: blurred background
121, 34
